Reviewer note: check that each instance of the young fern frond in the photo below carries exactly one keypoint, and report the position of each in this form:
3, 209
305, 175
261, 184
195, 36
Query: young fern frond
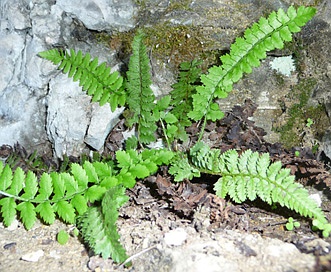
246, 53
252, 175
181, 100
140, 98
181, 95
182, 169
172, 109
98, 225
97, 80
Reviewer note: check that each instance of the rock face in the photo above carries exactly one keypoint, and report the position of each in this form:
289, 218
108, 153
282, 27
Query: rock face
67, 133
45, 111
39, 107
102, 15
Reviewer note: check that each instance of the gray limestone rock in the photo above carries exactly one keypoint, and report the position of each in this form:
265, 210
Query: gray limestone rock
68, 116
11, 47
102, 15
14, 15
38, 106
21, 117
22, 112
102, 122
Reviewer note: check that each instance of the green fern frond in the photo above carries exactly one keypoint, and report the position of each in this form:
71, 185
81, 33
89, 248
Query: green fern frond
64, 194
140, 98
70, 195
181, 101
98, 226
181, 95
55, 193
97, 80
252, 175
67, 195
245, 54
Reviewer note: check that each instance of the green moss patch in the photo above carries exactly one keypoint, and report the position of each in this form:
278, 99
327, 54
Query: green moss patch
297, 131
171, 44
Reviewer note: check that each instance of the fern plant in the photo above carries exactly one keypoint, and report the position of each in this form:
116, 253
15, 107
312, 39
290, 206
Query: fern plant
89, 195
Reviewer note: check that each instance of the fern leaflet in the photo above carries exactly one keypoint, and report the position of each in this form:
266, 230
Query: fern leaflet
100, 83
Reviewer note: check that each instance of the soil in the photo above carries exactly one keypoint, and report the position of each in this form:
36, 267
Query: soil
215, 232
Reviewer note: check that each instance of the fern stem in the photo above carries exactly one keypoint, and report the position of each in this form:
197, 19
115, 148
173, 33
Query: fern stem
66, 198
202, 131
13, 196
165, 135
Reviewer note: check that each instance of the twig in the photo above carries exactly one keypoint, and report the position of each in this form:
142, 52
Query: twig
136, 255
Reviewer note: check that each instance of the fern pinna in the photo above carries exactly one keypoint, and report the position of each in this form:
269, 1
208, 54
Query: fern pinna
252, 175
69, 196
246, 53
100, 83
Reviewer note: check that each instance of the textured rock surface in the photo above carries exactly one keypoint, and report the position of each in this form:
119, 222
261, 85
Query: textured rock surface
40, 108
68, 132
233, 251
102, 15
98, 131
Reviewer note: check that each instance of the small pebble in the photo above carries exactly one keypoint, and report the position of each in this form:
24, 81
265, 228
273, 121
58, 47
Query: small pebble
9, 246
33, 256
54, 254
318, 243
175, 237
317, 199
13, 225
